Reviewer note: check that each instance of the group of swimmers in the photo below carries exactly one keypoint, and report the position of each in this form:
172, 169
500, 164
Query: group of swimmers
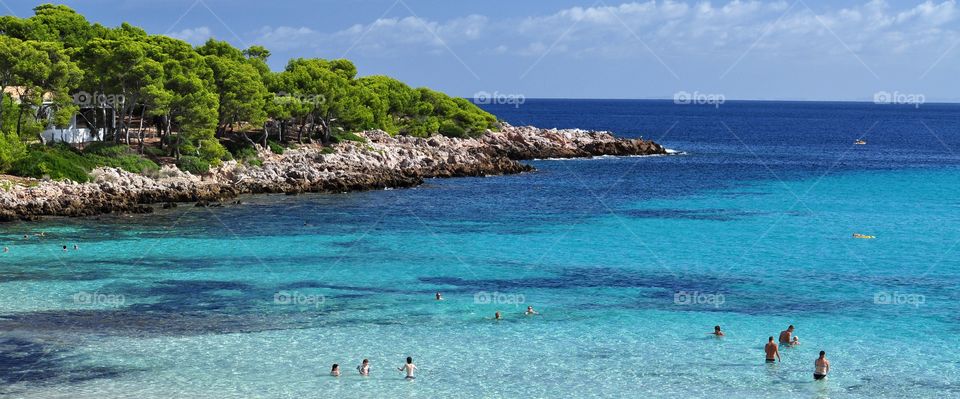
409, 368
497, 315
41, 235
364, 369
820, 367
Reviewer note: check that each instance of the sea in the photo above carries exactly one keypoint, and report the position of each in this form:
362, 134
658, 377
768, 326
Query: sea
629, 262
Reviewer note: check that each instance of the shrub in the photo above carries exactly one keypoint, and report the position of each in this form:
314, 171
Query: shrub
347, 136
107, 149
156, 152
195, 165
131, 163
57, 163
451, 129
275, 147
12, 149
212, 151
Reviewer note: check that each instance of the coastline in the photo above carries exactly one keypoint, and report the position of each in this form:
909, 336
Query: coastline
380, 162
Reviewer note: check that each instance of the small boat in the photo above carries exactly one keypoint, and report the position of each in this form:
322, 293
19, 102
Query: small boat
863, 236
860, 142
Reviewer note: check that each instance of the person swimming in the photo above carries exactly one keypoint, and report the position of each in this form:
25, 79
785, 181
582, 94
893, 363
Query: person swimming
439, 297
530, 311
772, 351
335, 370
716, 331
76, 247
364, 368
6, 249
64, 248
821, 366
796, 340
409, 368
497, 316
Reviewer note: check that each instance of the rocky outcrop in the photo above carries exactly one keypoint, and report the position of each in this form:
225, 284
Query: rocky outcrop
380, 162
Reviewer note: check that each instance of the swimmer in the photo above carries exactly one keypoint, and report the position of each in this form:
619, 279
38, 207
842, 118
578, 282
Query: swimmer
530, 311
5, 249
439, 297
772, 351
335, 370
64, 248
496, 316
364, 368
26, 237
787, 335
716, 331
75, 247
821, 366
409, 368
796, 340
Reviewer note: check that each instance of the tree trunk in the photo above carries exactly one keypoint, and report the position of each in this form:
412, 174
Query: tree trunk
2, 97
20, 119
325, 138
140, 131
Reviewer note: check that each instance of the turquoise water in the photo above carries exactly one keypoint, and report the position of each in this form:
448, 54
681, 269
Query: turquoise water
190, 302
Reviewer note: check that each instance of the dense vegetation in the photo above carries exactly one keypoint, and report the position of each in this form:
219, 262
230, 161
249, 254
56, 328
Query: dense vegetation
199, 101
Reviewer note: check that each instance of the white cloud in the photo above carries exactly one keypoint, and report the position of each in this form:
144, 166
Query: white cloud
195, 36
669, 28
382, 36
284, 38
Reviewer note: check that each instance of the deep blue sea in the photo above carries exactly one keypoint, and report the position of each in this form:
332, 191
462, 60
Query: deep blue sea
630, 261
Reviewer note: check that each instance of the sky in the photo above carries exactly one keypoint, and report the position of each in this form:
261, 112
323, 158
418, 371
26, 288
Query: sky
752, 50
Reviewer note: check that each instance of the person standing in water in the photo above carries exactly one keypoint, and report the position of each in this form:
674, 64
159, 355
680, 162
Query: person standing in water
716, 331
335, 370
786, 336
364, 368
409, 368
821, 366
773, 352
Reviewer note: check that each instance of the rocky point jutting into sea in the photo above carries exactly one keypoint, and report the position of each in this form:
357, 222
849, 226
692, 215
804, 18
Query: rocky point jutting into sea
380, 162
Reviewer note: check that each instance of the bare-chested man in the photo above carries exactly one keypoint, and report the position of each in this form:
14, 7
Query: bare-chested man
773, 352
821, 367
786, 336
409, 368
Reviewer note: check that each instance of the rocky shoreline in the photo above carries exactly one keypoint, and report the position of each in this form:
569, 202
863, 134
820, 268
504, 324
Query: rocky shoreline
380, 162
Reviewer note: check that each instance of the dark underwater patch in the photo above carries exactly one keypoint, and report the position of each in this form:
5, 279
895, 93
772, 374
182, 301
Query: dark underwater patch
34, 362
720, 215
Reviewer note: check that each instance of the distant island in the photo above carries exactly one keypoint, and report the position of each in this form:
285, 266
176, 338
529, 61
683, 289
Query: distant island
97, 120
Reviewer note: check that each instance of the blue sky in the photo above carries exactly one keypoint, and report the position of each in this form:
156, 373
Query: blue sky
786, 50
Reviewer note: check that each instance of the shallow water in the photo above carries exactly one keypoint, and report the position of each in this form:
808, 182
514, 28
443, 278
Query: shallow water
631, 261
